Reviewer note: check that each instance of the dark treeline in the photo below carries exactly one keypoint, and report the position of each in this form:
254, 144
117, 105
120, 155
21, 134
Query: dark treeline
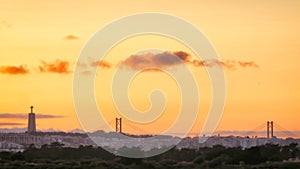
59, 157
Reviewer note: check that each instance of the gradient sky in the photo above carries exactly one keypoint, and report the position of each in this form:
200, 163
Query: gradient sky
40, 43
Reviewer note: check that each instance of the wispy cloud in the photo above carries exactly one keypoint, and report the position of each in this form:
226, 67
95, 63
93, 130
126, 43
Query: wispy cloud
14, 70
228, 64
47, 116
82, 65
57, 66
102, 64
90, 64
248, 64
5, 24
13, 116
86, 72
25, 116
11, 124
156, 61
71, 37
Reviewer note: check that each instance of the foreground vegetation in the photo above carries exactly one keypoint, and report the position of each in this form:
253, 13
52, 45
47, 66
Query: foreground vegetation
57, 157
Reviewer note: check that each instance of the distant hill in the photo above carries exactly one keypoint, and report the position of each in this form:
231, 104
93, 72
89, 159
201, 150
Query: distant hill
23, 130
13, 130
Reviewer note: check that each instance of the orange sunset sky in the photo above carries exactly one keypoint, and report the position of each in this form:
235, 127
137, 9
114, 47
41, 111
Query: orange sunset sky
40, 42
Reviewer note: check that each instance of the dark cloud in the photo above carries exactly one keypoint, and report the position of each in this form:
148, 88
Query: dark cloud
71, 37
25, 116
14, 70
154, 62
57, 66
183, 55
11, 124
157, 61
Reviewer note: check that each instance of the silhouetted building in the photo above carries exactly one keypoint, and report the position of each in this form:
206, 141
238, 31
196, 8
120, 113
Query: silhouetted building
31, 121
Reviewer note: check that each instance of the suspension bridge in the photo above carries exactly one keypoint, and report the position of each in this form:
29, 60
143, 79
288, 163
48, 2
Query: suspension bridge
269, 129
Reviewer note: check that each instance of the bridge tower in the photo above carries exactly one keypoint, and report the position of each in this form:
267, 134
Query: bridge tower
119, 125
270, 129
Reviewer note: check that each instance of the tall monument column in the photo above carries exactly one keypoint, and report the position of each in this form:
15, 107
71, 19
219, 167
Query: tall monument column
31, 121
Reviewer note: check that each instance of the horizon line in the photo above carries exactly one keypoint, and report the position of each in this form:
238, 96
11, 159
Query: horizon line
220, 133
